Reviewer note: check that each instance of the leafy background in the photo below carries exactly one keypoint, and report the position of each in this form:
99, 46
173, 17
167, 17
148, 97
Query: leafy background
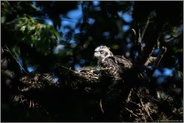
42, 37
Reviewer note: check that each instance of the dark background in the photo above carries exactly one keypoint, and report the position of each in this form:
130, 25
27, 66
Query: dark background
44, 36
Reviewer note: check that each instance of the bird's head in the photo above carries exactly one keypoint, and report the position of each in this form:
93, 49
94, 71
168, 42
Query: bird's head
102, 52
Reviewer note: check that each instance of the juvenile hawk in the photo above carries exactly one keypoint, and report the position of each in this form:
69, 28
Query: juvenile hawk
111, 65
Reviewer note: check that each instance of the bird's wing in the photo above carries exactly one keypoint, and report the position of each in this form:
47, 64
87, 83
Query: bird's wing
113, 68
122, 61
116, 65
109, 61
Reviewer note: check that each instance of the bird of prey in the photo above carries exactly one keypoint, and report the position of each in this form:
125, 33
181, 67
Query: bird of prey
111, 65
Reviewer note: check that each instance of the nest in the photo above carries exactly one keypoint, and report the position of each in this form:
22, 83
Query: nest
117, 100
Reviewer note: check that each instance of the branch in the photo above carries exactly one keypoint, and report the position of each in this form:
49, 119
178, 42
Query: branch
16, 60
101, 107
155, 60
159, 57
131, 112
145, 28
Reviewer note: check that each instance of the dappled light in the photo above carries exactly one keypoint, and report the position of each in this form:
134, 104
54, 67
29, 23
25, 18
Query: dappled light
50, 73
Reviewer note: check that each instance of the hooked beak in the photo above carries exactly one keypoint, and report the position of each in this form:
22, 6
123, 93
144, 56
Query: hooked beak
95, 54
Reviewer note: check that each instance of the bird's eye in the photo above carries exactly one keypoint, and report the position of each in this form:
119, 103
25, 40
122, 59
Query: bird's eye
101, 52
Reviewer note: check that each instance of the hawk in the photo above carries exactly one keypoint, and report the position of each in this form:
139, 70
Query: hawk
111, 65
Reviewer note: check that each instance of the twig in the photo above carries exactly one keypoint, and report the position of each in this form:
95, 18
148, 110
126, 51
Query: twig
145, 28
68, 68
134, 32
149, 60
159, 57
16, 59
131, 112
146, 109
141, 36
101, 107
130, 93
135, 104
158, 42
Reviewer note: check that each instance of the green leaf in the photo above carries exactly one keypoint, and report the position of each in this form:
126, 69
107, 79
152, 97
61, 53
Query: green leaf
3, 19
23, 28
34, 7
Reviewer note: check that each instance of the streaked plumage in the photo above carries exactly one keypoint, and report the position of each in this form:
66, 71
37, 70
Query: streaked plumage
114, 65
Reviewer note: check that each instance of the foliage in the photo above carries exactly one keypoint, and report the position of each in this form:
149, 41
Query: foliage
55, 91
